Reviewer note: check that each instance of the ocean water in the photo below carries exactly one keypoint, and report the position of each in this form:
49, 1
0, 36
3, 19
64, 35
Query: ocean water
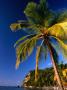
14, 88
17, 88
11, 88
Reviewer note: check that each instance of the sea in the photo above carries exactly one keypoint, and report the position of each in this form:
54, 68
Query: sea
15, 88
21, 88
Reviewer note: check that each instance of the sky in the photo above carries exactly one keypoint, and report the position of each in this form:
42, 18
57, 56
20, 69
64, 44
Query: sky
11, 11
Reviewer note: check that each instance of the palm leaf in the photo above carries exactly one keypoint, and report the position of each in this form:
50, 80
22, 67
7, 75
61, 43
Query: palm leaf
27, 27
28, 40
17, 62
45, 13
30, 45
59, 30
43, 52
59, 17
62, 45
62, 16
25, 48
19, 25
38, 14
24, 38
32, 13
54, 53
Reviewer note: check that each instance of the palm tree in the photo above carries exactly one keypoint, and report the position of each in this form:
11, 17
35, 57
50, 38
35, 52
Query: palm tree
42, 24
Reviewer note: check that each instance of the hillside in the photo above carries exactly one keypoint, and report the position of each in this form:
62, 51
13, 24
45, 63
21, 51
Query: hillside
46, 77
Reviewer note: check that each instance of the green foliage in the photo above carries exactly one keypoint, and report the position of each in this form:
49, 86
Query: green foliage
42, 23
43, 52
62, 16
19, 25
46, 77
64, 47
31, 12
45, 13
57, 31
24, 38
25, 48
59, 17
54, 53
38, 13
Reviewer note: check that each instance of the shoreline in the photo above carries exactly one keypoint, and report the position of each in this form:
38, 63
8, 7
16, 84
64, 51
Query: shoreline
45, 87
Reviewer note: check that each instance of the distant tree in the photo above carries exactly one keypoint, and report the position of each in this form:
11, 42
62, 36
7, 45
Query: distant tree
42, 24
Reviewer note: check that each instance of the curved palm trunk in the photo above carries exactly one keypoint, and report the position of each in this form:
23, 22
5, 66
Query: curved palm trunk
36, 69
56, 72
55, 66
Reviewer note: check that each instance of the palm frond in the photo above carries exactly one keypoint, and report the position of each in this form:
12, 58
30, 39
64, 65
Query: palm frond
17, 62
59, 30
44, 9
55, 55
38, 14
19, 25
31, 45
15, 26
59, 17
19, 53
62, 16
45, 13
27, 27
54, 43
24, 49
63, 46
31, 13
24, 38
53, 51
43, 52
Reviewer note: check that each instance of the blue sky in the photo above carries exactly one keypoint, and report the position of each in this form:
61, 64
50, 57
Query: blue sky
11, 11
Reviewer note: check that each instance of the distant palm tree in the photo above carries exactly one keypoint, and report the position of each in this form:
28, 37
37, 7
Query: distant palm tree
45, 25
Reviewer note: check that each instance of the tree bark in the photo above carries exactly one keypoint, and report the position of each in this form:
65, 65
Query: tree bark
55, 69
54, 64
36, 69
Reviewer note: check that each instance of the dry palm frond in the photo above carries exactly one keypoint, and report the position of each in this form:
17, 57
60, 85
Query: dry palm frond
19, 25
17, 62
15, 26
